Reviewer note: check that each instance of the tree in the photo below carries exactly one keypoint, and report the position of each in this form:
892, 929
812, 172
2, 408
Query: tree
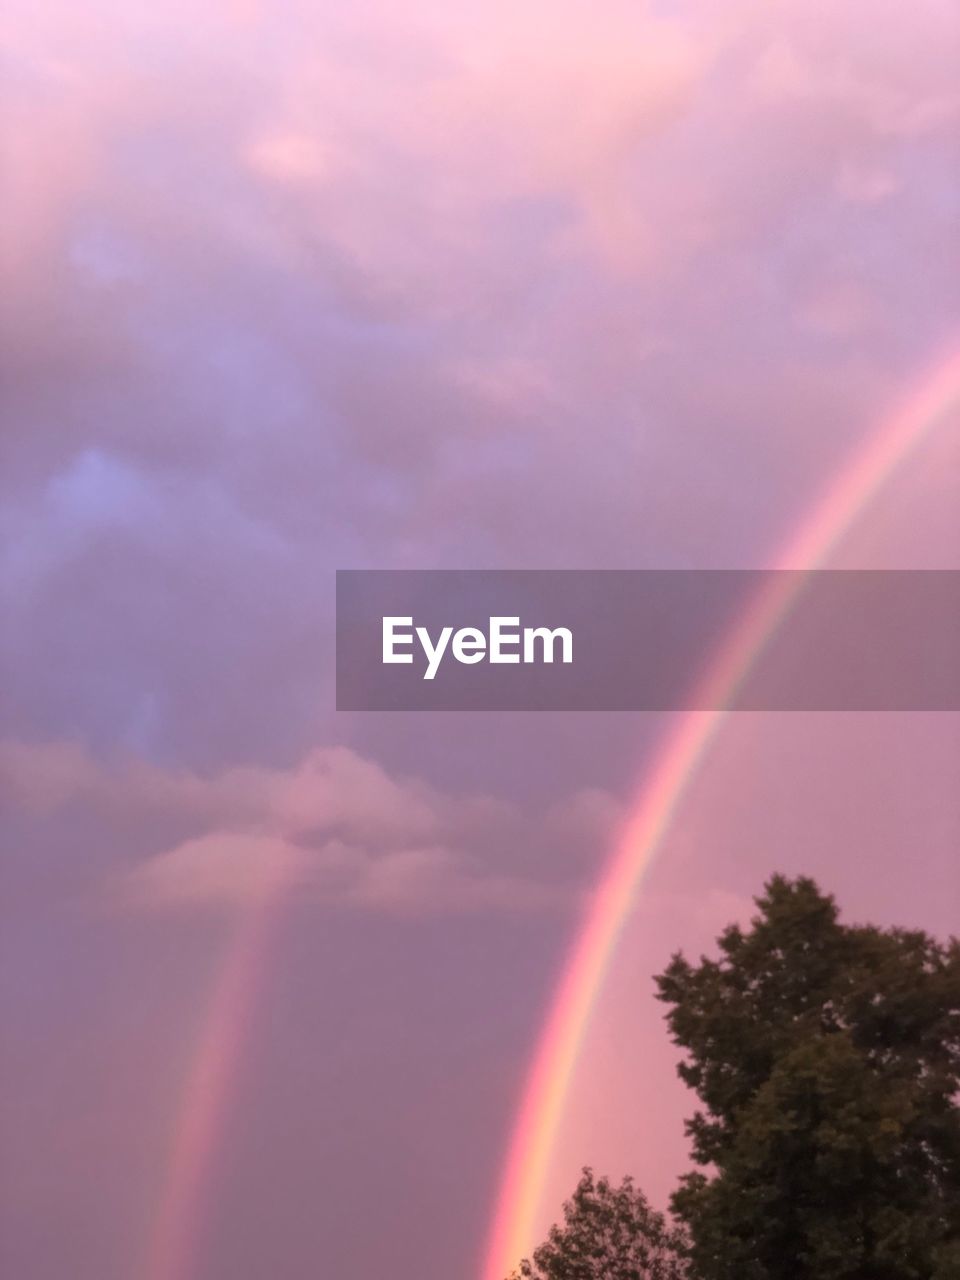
609, 1233
827, 1059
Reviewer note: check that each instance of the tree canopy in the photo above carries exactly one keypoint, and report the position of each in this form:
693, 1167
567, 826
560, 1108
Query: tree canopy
608, 1233
827, 1060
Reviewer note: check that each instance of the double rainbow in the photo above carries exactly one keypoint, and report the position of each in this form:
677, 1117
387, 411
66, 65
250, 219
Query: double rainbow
212, 1079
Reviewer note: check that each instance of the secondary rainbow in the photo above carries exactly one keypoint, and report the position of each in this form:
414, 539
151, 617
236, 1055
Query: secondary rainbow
682, 752
212, 1082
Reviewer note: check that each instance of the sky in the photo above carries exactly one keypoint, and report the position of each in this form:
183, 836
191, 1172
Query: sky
296, 287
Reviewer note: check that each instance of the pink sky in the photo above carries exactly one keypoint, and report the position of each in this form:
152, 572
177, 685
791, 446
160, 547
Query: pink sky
296, 287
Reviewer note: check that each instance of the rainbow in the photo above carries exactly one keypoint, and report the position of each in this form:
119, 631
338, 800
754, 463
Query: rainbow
211, 1085
211, 1080
681, 753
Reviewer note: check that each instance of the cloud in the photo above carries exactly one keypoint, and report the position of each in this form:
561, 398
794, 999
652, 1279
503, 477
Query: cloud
483, 286
222, 868
895, 81
463, 112
336, 828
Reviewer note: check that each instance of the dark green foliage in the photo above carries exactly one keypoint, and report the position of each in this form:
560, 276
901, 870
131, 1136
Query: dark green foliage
827, 1059
609, 1233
